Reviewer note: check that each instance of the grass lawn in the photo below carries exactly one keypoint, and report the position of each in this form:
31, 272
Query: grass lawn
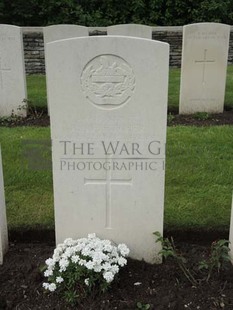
37, 89
199, 179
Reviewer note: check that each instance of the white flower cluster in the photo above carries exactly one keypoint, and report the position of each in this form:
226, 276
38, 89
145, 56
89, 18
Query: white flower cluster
93, 253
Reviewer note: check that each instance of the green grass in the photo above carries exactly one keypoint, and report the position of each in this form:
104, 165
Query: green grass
199, 170
174, 89
37, 89
28, 193
229, 88
199, 178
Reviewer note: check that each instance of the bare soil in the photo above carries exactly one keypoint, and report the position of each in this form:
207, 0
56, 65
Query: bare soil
161, 286
42, 119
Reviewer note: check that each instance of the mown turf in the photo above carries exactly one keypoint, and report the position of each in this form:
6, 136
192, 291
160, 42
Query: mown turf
199, 179
37, 89
28, 193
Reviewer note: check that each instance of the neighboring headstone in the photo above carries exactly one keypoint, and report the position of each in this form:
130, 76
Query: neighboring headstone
203, 70
130, 30
3, 221
231, 233
61, 32
108, 125
12, 72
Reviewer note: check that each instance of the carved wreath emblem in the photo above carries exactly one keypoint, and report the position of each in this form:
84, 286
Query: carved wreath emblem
108, 81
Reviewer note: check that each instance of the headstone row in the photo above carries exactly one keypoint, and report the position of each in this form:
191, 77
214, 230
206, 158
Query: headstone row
203, 70
108, 105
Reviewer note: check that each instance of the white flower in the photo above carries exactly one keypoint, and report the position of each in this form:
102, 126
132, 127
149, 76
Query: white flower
114, 269
108, 248
75, 259
108, 276
106, 266
123, 249
82, 262
91, 236
59, 279
106, 242
63, 264
60, 248
50, 262
90, 265
86, 281
98, 257
91, 255
48, 273
52, 287
97, 268
45, 285
122, 261
86, 252
69, 252
69, 242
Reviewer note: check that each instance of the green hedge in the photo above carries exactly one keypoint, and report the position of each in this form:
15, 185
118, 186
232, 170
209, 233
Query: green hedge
110, 12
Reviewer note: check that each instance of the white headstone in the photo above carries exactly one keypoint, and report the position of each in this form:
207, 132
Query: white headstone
103, 90
3, 221
231, 233
203, 69
131, 30
61, 32
12, 72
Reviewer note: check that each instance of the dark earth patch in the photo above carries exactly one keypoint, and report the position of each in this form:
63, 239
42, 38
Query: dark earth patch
199, 119
161, 286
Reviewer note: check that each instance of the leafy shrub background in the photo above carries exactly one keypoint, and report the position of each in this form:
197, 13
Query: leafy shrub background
110, 12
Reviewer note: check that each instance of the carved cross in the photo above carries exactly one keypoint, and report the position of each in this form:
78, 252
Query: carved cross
108, 182
203, 62
2, 70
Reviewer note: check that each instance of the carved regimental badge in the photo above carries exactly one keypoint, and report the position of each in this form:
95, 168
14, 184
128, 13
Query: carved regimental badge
108, 81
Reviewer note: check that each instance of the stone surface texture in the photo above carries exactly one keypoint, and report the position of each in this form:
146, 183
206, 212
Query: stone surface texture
61, 32
131, 30
12, 72
97, 89
204, 65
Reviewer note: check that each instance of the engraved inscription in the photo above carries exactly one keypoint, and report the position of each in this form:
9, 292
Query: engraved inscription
203, 100
108, 81
203, 62
108, 181
2, 71
206, 35
6, 38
